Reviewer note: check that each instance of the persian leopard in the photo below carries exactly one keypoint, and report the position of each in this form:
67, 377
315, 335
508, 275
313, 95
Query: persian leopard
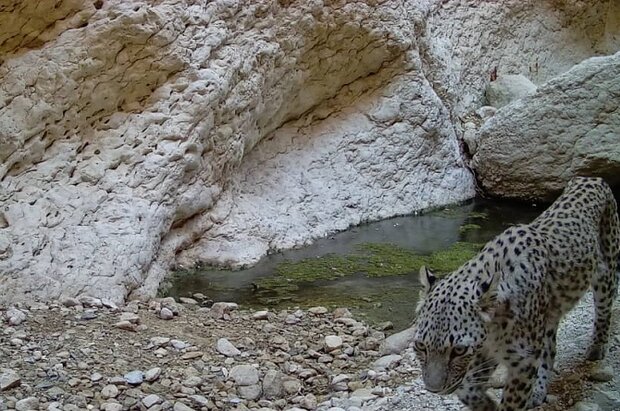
504, 305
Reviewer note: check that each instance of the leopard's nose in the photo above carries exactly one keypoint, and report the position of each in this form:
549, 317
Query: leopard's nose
434, 379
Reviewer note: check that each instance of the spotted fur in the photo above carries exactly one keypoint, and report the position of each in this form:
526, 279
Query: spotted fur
504, 305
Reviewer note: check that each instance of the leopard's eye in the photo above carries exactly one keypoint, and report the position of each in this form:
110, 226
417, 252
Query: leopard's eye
459, 350
419, 345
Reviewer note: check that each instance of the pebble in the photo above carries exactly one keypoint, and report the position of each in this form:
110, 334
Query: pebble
586, 406
88, 301
15, 316
332, 342
318, 310
192, 355
179, 345
125, 325
603, 374
9, 379
179, 406
159, 341
70, 302
27, 404
188, 301
166, 314
151, 400
130, 317
111, 406
226, 348
152, 374
244, 375
261, 315
387, 362
223, 310
134, 377
96, 377
109, 391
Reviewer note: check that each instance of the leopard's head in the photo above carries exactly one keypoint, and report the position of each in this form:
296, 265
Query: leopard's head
451, 326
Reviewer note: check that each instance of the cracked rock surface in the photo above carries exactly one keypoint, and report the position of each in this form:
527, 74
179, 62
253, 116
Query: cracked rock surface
138, 135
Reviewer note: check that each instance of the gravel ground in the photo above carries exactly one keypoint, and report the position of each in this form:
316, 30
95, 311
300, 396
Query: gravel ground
192, 355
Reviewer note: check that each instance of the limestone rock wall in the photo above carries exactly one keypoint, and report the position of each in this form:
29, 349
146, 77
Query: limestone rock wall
132, 130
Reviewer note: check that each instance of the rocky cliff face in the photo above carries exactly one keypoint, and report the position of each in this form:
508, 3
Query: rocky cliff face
137, 134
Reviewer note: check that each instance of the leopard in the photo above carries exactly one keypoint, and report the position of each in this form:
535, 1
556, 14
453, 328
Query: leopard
503, 306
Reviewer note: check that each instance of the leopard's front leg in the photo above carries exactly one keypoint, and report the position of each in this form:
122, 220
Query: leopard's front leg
473, 390
523, 360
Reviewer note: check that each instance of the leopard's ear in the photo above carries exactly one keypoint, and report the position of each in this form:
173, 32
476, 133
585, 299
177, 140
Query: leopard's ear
488, 303
427, 279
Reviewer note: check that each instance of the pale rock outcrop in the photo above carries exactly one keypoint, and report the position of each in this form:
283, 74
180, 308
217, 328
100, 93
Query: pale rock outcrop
130, 130
571, 126
508, 88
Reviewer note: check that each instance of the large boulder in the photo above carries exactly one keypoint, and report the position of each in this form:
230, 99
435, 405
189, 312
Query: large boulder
571, 126
137, 135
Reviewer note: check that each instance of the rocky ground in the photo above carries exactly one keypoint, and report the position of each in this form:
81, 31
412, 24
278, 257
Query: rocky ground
196, 355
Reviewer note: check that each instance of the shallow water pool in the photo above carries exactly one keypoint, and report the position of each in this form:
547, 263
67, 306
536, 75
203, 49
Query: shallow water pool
372, 269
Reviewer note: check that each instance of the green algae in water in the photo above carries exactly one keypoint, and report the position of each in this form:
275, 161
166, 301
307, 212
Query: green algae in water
468, 227
370, 259
446, 261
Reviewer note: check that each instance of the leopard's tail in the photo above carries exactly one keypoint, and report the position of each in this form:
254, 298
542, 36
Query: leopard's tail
609, 230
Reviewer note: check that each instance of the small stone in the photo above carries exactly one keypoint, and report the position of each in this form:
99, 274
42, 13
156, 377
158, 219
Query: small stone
111, 406
179, 345
96, 377
397, 343
27, 404
134, 377
292, 386
160, 352
118, 380
272, 384
109, 391
159, 341
332, 342
222, 310
9, 379
152, 374
309, 402
244, 375
342, 313
387, 362
586, 406
364, 394
261, 315
193, 381
317, 310
191, 355
70, 302
166, 314
131, 317
386, 325
603, 374
188, 301
151, 400
249, 392
88, 315
125, 325
15, 316
109, 304
91, 302
179, 406
226, 348
199, 400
